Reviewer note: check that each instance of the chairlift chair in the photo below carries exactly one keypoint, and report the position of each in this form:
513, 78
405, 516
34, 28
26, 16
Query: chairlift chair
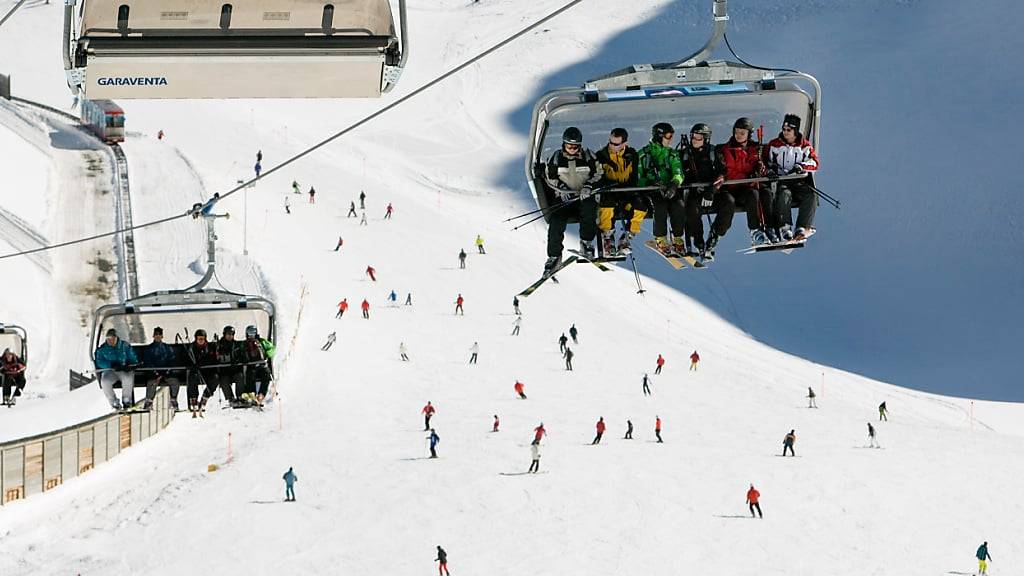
692, 90
241, 49
15, 338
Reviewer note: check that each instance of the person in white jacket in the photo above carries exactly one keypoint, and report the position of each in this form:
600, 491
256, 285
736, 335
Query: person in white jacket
535, 455
475, 349
403, 351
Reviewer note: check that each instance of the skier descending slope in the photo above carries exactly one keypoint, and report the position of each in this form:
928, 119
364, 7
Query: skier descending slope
983, 558
753, 497
811, 398
458, 305
538, 433
629, 430
659, 364
289, 485
883, 412
474, 351
462, 259
442, 557
330, 341
571, 172
366, 308
568, 358
788, 442
573, 333
428, 413
871, 436
516, 324
519, 390
657, 428
694, 360
600, 431
646, 389
351, 210
434, 441
497, 423
562, 340
534, 458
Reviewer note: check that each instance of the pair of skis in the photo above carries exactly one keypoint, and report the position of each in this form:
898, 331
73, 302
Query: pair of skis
677, 261
577, 257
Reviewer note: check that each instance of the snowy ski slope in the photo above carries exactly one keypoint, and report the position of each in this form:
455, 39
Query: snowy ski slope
368, 499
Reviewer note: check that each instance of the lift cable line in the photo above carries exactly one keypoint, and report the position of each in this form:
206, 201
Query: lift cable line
197, 210
11, 12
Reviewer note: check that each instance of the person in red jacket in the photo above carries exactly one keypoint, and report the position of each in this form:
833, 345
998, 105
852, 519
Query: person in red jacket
458, 305
752, 501
428, 413
661, 362
791, 153
737, 159
342, 307
657, 428
366, 309
694, 359
372, 273
600, 431
341, 241
519, 390
496, 423
538, 433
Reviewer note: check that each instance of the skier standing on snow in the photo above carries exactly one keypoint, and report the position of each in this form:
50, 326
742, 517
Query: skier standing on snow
480, 244
618, 163
434, 440
600, 431
387, 213
871, 436
538, 433
362, 199
573, 333
519, 390
474, 350
515, 305
372, 273
403, 351
659, 166
342, 307
629, 430
657, 428
351, 210
660, 363
571, 173
534, 458
287, 205
752, 501
458, 305
340, 242
289, 485
694, 359
295, 187
790, 153
811, 398
393, 298
788, 442
366, 309
442, 557
497, 422
408, 299
258, 168
737, 159
883, 412
515, 328
428, 413
647, 389
330, 341
562, 340
362, 219
983, 558
312, 195
462, 259
568, 358
259, 155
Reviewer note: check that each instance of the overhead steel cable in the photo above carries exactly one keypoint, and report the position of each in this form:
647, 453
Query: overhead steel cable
195, 210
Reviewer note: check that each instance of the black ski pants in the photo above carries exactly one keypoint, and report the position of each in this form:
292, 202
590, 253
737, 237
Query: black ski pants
206, 377
426, 422
669, 212
806, 199
534, 466
629, 434
568, 363
16, 381
694, 225
597, 439
758, 506
559, 218
657, 370
658, 434
259, 374
725, 208
647, 389
788, 447
472, 359
227, 378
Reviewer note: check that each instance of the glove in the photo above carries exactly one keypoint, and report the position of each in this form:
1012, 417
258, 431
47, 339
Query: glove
668, 191
116, 366
718, 182
707, 198
798, 169
773, 176
564, 195
586, 192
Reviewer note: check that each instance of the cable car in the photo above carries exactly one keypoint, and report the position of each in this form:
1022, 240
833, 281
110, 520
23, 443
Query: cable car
105, 119
16, 339
246, 49
692, 90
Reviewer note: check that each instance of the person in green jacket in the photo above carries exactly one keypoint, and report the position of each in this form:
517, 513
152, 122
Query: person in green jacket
983, 558
660, 166
258, 353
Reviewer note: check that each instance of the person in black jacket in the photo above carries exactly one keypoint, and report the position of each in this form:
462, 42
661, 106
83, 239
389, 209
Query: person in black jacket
571, 173
159, 354
698, 159
442, 557
230, 352
201, 353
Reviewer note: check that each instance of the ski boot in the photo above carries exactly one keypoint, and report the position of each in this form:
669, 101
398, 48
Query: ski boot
678, 246
661, 243
773, 236
608, 243
708, 254
758, 238
147, 405
804, 233
587, 249
7, 401
551, 265
786, 233
625, 243
174, 404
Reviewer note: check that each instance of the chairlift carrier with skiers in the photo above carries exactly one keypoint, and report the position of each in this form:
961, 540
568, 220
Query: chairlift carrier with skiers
248, 49
692, 90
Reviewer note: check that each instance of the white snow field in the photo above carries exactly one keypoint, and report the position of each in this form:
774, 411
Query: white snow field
348, 419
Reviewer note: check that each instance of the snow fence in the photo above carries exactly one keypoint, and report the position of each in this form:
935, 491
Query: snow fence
43, 462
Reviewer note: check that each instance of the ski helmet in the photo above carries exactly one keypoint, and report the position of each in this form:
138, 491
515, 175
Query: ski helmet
200, 332
229, 330
572, 135
250, 331
793, 121
660, 130
702, 129
744, 123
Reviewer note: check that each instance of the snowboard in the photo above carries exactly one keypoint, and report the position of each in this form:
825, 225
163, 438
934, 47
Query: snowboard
533, 287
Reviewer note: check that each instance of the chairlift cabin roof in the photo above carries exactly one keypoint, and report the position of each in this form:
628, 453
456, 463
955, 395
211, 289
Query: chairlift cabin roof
182, 313
15, 338
242, 49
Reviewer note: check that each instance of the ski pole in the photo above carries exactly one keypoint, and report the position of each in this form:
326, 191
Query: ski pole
523, 215
636, 274
829, 199
555, 208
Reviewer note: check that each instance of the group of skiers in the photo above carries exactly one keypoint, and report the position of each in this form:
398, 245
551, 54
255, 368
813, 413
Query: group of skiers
585, 184
246, 364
